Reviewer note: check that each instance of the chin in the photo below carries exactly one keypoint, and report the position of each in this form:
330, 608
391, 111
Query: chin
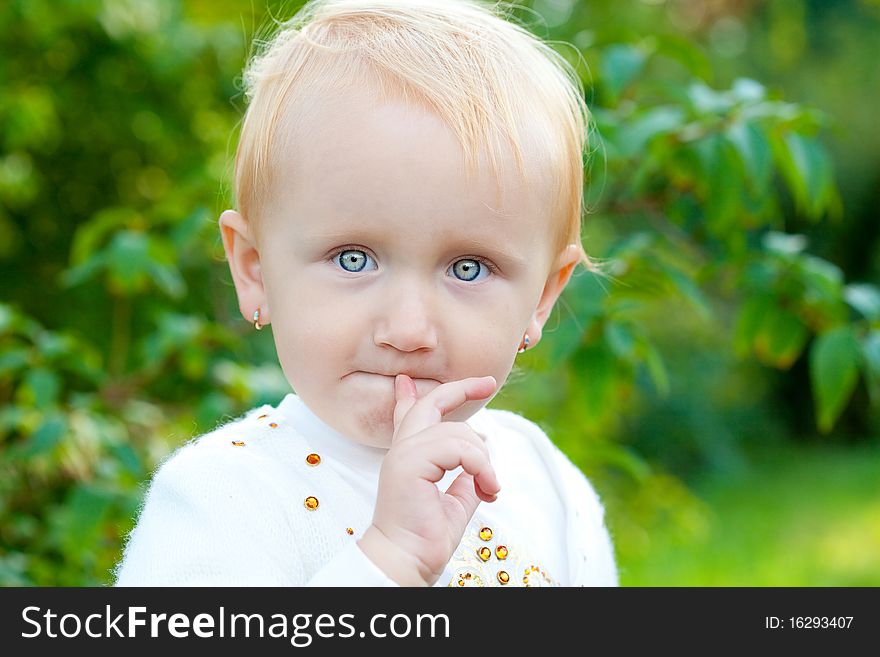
375, 427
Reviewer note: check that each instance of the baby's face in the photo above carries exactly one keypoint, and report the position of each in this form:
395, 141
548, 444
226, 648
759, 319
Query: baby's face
378, 258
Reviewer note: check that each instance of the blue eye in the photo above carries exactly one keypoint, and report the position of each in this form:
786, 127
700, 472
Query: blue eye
354, 258
468, 269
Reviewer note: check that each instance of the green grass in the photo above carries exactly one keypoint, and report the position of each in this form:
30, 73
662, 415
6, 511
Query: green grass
806, 516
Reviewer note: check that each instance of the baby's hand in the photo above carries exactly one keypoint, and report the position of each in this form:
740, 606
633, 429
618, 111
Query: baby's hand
417, 527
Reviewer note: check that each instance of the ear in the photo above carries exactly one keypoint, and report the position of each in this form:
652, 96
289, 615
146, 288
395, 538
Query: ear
556, 282
244, 264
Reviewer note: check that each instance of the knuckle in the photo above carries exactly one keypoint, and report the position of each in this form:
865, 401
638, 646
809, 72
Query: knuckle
472, 435
467, 446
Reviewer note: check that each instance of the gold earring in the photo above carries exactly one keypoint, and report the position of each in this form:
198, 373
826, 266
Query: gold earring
524, 344
257, 324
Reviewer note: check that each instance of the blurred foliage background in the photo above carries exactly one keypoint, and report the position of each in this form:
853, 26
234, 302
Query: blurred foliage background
720, 387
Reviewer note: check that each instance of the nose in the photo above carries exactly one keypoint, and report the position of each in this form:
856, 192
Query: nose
407, 318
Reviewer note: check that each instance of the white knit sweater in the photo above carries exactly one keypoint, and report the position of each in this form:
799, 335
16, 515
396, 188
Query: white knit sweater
230, 509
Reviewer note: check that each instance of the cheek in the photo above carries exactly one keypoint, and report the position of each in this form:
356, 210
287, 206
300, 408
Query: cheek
486, 341
318, 337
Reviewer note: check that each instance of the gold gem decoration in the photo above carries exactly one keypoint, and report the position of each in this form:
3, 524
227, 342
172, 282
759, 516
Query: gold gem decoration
503, 577
238, 443
311, 503
466, 579
313, 459
501, 552
486, 534
484, 553
274, 425
262, 416
350, 531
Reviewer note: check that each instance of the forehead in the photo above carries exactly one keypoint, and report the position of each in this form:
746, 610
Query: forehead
354, 163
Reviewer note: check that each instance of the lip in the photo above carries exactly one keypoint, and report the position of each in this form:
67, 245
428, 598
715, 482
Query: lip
391, 376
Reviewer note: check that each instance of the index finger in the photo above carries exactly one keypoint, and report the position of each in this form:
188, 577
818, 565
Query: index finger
445, 398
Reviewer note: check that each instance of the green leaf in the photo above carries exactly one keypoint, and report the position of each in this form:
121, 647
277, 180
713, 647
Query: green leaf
748, 91
688, 289
129, 262
656, 367
807, 171
631, 245
754, 152
42, 385
14, 359
870, 345
91, 234
783, 244
822, 273
707, 101
780, 337
864, 298
644, 127
188, 231
620, 338
748, 322
80, 521
684, 51
169, 280
84, 271
822, 284
720, 165
621, 63
46, 437
6, 317
834, 364
128, 458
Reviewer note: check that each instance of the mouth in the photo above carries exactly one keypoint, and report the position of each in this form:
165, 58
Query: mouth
392, 376
386, 381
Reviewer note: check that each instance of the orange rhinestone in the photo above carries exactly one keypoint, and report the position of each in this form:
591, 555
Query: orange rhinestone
503, 577
238, 443
461, 582
262, 416
313, 459
350, 531
486, 534
501, 552
467, 575
484, 553
274, 425
311, 503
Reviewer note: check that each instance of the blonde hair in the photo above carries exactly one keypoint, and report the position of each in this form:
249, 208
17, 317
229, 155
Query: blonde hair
461, 59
